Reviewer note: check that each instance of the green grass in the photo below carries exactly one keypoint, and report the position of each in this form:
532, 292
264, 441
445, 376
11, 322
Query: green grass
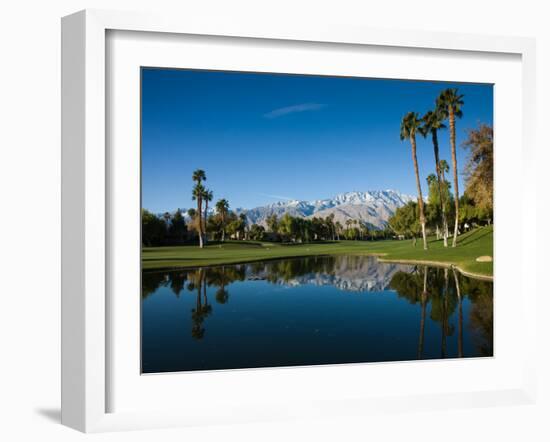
470, 245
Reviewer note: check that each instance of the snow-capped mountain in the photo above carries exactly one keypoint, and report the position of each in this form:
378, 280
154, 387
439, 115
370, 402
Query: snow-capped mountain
373, 207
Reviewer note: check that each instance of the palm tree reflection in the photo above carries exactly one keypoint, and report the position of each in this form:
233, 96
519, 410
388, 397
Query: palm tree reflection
423, 300
202, 309
199, 280
431, 286
460, 351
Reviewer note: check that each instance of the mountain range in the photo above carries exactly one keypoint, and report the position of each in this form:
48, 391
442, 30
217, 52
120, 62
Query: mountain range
373, 208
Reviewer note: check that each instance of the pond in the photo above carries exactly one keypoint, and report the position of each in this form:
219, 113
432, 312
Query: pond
311, 310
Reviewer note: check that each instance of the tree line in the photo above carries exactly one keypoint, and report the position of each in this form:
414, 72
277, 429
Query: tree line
203, 225
288, 228
477, 200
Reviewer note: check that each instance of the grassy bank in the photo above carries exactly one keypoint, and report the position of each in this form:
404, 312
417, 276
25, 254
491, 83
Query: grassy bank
471, 245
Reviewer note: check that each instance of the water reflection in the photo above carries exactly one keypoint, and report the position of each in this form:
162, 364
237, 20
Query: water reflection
436, 297
444, 290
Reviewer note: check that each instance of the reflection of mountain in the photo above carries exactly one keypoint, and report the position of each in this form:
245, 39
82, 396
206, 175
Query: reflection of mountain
348, 273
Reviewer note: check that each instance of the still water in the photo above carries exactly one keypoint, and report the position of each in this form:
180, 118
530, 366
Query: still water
313, 310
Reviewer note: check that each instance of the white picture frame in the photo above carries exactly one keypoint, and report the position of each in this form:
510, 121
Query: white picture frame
86, 204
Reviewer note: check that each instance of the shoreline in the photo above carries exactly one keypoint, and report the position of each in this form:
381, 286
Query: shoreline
379, 256
446, 265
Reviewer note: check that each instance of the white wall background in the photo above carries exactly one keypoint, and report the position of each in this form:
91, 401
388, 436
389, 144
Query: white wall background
30, 215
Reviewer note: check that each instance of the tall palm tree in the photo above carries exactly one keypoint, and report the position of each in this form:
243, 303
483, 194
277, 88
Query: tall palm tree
330, 223
167, 217
198, 193
242, 226
410, 125
338, 227
433, 121
443, 169
207, 197
222, 207
348, 226
449, 103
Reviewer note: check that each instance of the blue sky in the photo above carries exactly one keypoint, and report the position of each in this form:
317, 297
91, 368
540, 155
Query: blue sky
268, 137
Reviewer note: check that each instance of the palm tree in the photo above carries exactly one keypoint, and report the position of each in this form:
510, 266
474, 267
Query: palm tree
222, 207
330, 223
242, 226
409, 126
348, 226
167, 217
192, 213
449, 103
198, 193
433, 121
338, 228
207, 197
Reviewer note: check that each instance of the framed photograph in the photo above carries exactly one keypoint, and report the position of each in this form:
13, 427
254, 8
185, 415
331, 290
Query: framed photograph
274, 222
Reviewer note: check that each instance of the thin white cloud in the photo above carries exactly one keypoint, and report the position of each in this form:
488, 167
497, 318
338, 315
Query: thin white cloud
304, 107
276, 197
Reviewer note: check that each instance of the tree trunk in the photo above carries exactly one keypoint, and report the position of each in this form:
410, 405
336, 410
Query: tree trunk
223, 227
455, 168
199, 213
419, 189
439, 185
205, 218
446, 225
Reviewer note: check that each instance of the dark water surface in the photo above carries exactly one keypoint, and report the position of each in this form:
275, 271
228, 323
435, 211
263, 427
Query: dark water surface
314, 310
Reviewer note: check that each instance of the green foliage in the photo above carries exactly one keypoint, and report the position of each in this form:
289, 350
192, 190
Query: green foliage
287, 227
306, 230
405, 221
272, 223
153, 229
178, 228
472, 214
479, 169
257, 232
214, 226
433, 208
163, 230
